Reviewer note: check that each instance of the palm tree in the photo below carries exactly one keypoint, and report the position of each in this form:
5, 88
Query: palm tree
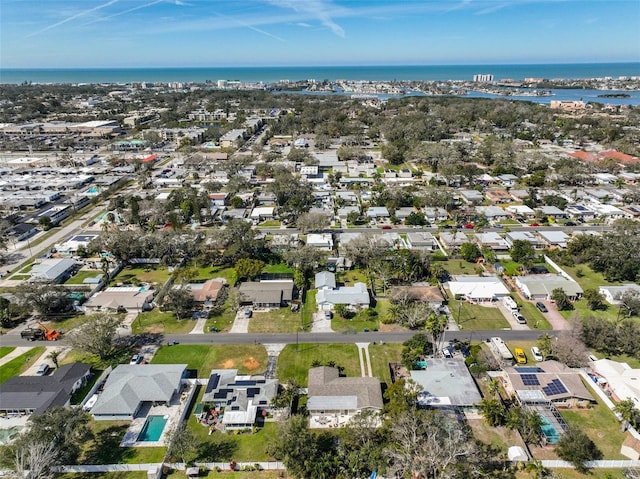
54, 355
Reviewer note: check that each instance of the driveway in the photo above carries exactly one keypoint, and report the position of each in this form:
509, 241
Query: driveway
515, 325
241, 323
320, 324
556, 320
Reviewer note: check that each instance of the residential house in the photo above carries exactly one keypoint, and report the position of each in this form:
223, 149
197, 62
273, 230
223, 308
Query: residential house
266, 294
404, 212
323, 241
55, 270
240, 400
35, 394
542, 286
552, 381
492, 213
446, 384
262, 213
325, 280
521, 210
554, 239
435, 215
453, 240
619, 379
612, 294
507, 180
552, 212
377, 213
114, 298
355, 297
130, 386
334, 400
498, 196
420, 291
208, 291
472, 197
581, 212
218, 199
512, 236
492, 240
422, 240
477, 289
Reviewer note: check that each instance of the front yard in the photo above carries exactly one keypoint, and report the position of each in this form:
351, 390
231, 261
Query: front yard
248, 359
477, 317
20, 364
296, 359
149, 273
281, 320
157, 322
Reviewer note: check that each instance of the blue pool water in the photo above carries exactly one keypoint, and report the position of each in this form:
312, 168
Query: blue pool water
93, 189
549, 431
152, 429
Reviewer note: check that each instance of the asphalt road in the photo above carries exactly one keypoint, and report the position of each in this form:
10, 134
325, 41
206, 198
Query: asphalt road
305, 338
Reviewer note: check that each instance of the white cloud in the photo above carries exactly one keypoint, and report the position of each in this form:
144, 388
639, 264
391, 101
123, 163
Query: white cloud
124, 12
73, 17
316, 9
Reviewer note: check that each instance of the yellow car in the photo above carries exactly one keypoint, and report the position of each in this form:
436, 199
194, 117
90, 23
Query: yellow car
520, 356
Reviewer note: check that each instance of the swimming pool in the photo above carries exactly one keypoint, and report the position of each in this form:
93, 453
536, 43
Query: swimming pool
152, 429
549, 431
7, 435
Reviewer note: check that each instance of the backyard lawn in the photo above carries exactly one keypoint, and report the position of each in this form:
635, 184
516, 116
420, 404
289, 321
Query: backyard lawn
280, 268
600, 425
161, 323
210, 272
459, 266
105, 448
587, 277
83, 274
248, 359
295, 360
20, 364
219, 447
143, 274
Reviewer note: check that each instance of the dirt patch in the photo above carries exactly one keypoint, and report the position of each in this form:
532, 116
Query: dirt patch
228, 364
391, 328
251, 363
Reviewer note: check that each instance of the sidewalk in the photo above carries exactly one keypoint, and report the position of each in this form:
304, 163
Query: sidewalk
20, 350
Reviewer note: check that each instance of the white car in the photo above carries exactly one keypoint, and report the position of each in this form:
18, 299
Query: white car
537, 355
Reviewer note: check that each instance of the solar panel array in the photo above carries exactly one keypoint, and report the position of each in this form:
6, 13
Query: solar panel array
530, 380
529, 370
554, 388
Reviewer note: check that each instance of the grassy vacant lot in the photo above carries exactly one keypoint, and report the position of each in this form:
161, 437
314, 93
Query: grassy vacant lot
157, 322
295, 360
588, 277
581, 309
105, 447
248, 359
219, 447
210, 272
4, 350
148, 273
358, 323
476, 317
20, 364
381, 355
83, 274
281, 320
601, 426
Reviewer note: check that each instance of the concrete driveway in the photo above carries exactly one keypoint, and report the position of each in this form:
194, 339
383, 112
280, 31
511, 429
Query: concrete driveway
320, 324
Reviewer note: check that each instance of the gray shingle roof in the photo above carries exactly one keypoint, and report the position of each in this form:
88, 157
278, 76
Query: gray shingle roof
327, 388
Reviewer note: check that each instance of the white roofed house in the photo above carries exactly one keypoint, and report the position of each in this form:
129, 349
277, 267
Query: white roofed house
56, 270
355, 297
552, 239
492, 213
612, 294
422, 240
334, 400
542, 286
492, 240
320, 240
377, 213
477, 289
512, 236
325, 280
552, 211
521, 210
453, 240
262, 213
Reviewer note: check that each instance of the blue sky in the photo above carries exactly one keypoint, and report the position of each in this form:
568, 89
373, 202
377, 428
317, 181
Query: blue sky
146, 33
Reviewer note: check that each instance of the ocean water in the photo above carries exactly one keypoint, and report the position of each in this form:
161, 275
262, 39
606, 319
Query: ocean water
274, 74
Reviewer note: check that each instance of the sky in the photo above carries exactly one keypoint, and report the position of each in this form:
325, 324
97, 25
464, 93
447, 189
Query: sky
229, 33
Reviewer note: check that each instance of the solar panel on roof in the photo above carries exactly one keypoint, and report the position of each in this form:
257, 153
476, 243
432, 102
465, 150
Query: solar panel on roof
530, 380
213, 383
554, 388
529, 370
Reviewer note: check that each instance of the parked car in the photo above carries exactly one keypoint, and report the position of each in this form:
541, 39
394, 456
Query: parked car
386, 227
136, 359
248, 313
521, 319
327, 315
515, 313
521, 358
542, 307
536, 353
43, 370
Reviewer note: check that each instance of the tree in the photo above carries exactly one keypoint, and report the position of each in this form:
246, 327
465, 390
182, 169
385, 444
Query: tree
305, 259
415, 349
45, 222
561, 299
96, 335
247, 268
426, 444
630, 302
522, 251
287, 396
528, 423
183, 444
595, 299
628, 412
308, 222
575, 447
34, 459
360, 449
415, 219
470, 252
54, 355
341, 310
493, 411
45, 297
569, 349
180, 301
402, 397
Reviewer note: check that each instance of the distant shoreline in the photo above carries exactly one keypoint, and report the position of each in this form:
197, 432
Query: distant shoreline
332, 73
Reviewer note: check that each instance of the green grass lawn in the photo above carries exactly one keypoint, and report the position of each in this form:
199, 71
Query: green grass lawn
269, 224
588, 278
281, 268
105, 447
83, 274
359, 323
381, 355
219, 447
459, 266
476, 317
143, 274
349, 278
248, 359
535, 319
231, 475
20, 364
295, 360
161, 323
600, 425
4, 350
20, 277
210, 272
511, 268
281, 320
582, 309
308, 308
105, 475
